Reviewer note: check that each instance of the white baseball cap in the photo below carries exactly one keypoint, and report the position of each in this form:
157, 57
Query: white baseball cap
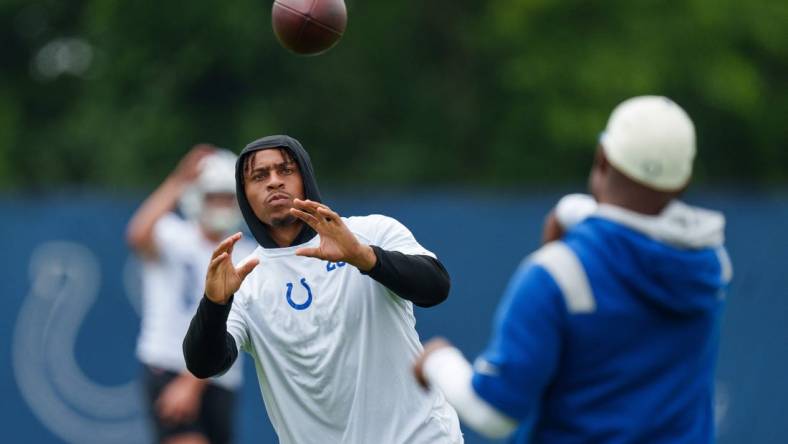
651, 140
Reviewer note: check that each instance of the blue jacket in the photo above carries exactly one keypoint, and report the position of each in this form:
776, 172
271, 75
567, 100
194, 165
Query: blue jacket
610, 336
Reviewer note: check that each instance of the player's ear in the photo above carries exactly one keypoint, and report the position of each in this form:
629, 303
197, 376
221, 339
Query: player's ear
600, 160
599, 169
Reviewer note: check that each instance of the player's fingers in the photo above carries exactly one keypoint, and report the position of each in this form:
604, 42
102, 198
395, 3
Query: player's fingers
216, 262
311, 206
245, 268
309, 252
328, 214
317, 205
225, 244
235, 238
310, 220
311, 210
304, 205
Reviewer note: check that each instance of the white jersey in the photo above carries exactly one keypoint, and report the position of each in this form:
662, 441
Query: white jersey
172, 286
334, 348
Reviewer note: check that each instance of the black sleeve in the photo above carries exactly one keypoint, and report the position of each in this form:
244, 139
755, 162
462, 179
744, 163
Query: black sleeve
418, 278
208, 348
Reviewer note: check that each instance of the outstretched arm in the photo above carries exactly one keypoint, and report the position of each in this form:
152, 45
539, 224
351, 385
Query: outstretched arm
443, 366
507, 383
208, 348
139, 233
418, 278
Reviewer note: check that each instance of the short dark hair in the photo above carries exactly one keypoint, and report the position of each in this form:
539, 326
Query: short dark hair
249, 159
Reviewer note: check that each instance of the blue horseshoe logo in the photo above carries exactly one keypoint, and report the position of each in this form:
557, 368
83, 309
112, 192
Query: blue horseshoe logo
308, 301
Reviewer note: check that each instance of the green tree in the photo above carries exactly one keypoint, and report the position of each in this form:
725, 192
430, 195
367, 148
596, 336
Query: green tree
441, 92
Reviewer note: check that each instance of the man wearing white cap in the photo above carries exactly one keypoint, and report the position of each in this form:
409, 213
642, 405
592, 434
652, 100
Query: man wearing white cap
608, 333
175, 253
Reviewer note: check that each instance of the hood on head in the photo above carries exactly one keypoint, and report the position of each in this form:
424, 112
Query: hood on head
311, 191
675, 260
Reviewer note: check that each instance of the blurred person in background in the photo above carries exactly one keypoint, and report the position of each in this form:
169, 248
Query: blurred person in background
175, 252
327, 315
609, 332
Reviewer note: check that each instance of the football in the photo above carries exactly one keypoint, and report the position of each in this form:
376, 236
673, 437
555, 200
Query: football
309, 27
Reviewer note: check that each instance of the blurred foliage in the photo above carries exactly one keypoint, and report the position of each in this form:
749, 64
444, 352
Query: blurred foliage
445, 92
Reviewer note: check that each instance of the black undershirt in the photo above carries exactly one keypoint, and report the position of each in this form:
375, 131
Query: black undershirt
210, 350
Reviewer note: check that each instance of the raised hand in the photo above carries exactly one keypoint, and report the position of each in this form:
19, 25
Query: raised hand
139, 233
188, 168
223, 278
337, 242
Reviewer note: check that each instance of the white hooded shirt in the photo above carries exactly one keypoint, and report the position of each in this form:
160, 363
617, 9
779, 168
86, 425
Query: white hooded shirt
333, 348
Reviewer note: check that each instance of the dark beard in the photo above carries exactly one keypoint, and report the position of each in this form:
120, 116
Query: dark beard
280, 222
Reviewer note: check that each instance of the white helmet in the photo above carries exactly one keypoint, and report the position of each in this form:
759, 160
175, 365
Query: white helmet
217, 175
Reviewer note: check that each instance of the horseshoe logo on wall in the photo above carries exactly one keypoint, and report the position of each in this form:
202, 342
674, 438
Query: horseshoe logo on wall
64, 285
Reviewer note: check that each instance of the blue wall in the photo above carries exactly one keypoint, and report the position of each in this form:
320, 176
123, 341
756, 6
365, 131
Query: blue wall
68, 328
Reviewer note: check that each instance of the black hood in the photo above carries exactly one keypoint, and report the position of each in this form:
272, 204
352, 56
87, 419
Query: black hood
256, 226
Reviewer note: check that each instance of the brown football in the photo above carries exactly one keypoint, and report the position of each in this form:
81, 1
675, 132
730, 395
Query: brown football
309, 26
